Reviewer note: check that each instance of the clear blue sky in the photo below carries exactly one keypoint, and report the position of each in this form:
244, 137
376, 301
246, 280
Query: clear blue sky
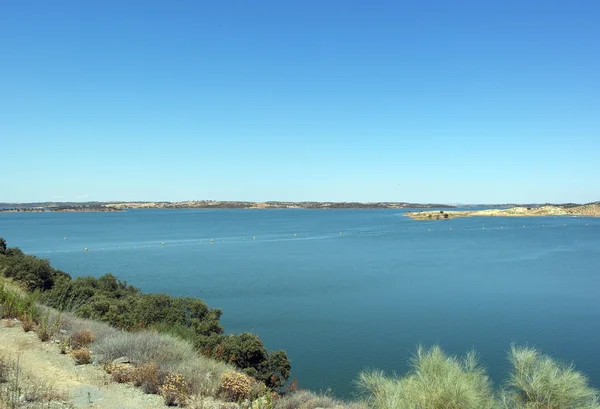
455, 101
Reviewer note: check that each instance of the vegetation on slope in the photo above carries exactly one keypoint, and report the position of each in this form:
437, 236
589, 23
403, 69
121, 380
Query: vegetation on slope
439, 381
172, 367
110, 300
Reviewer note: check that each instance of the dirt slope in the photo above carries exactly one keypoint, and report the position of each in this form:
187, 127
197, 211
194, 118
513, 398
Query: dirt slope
86, 386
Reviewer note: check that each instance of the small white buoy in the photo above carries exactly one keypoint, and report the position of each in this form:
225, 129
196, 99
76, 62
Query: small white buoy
163, 243
211, 240
86, 249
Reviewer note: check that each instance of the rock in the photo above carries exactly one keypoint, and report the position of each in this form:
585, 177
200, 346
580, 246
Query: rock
121, 360
62, 331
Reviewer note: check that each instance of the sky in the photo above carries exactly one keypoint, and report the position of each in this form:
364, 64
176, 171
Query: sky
419, 101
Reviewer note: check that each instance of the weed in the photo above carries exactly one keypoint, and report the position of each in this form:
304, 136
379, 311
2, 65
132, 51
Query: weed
43, 330
82, 356
27, 323
82, 339
147, 376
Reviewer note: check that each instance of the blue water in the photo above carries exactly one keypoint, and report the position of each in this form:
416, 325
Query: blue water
339, 303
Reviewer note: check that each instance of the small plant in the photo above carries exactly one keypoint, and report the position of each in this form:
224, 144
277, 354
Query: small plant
236, 386
537, 381
56, 324
174, 390
82, 356
27, 323
120, 373
258, 389
64, 346
147, 376
43, 330
459, 384
82, 339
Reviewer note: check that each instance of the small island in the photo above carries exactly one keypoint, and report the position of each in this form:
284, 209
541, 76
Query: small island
588, 210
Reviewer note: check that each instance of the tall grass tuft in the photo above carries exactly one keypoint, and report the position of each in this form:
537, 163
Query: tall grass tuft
303, 399
539, 382
436, 381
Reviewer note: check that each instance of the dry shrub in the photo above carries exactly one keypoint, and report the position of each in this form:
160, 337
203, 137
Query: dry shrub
64, 346
303, 399
120, 373
236, 386
43, 333
147, 376
27, 323
82, 339
174, 390
82, 356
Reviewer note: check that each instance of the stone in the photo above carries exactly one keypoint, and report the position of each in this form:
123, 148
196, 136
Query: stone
121, 360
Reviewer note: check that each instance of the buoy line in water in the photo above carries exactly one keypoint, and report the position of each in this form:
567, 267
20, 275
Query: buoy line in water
307, 236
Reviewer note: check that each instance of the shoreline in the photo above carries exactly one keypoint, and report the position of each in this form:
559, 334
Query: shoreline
588, 210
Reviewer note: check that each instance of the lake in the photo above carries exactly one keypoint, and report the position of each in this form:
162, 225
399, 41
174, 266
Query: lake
345, 290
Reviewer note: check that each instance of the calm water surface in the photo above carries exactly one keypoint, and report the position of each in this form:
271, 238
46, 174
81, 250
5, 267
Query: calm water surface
339, 303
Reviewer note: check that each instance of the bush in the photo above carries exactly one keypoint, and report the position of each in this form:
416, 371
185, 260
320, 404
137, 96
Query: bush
147, 376
247, 351
235, 386
436, 381
82, 356
120, 373
174, 390
27, 324
82, 339
43, 331
537, 381
303, 399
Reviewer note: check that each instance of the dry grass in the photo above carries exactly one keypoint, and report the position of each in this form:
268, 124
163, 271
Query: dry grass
82, 356
27, 323
82, 339
22, 390
148, 377
120, 373
303, 399
170, 353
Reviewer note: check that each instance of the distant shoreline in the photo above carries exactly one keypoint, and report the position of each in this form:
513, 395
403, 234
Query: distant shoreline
590, 209
206, 204
587, 210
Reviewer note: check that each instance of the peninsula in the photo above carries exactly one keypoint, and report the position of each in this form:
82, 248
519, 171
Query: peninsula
588, 210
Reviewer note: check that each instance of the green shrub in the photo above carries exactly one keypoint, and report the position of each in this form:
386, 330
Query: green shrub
539, 382
436, 381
